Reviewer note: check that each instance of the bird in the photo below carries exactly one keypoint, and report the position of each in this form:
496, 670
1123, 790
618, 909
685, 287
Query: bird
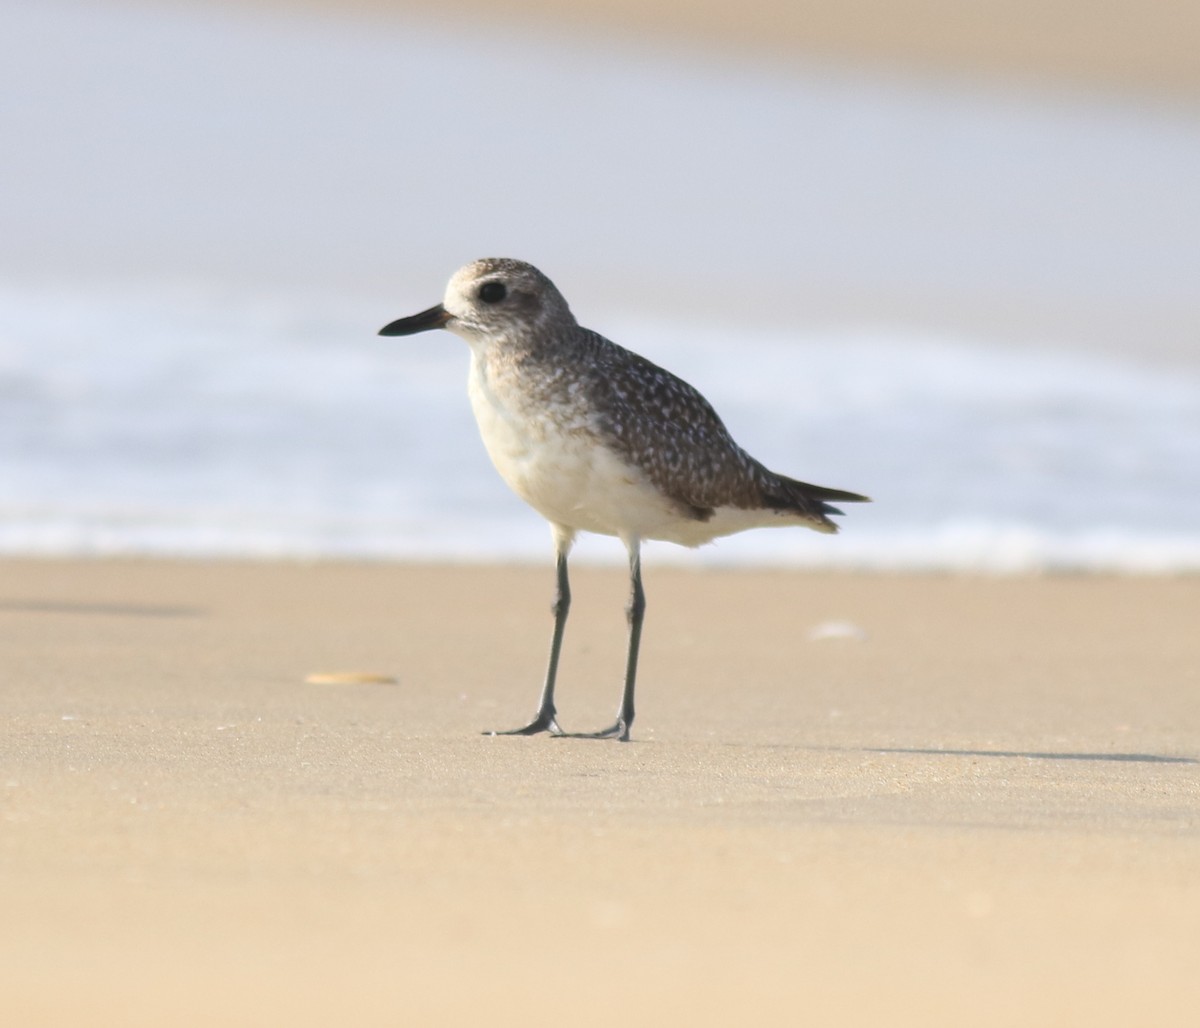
599, 439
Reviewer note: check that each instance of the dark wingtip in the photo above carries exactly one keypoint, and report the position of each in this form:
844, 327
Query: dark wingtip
820, 492
841, 495
811, 501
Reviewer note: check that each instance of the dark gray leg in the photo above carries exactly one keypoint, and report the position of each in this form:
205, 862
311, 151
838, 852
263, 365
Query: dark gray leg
545, 721
634, 612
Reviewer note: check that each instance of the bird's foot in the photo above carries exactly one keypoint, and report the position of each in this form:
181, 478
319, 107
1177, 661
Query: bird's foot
544, 722
618, 731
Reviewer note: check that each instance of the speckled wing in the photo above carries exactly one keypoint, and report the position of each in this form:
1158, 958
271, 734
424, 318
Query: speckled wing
665, 427
668, 430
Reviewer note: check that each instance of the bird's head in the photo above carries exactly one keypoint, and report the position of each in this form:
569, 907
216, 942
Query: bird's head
496, 298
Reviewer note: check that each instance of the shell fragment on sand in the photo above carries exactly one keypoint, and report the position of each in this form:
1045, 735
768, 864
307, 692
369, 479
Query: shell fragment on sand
349, 678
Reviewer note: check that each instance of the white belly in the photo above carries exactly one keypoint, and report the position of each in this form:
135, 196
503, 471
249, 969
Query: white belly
552, 460
556, 464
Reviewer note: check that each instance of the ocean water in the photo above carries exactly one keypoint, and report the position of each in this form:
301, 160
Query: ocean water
201, 424
208, 215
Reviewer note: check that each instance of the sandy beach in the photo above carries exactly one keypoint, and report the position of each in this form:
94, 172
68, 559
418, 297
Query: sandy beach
851, 799
1118, 47
976, 801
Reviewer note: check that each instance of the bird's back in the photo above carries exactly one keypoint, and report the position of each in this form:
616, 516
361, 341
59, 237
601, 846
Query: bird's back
665, 428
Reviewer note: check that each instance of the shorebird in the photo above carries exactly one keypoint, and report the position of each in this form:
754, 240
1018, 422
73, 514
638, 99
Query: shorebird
598, 439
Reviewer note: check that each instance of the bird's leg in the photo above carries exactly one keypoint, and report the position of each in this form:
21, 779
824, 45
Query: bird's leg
634, 612
544, 721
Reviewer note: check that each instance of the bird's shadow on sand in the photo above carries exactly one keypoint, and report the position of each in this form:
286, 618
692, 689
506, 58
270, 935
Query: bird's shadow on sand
1132, 758
142, 610
930, 751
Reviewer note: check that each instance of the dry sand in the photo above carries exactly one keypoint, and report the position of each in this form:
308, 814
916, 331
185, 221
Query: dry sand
986, 811
1139, 46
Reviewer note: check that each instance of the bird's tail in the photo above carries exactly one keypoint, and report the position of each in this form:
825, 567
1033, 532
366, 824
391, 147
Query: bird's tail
812, 501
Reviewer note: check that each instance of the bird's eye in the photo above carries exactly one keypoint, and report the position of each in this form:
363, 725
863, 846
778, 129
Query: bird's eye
492, 292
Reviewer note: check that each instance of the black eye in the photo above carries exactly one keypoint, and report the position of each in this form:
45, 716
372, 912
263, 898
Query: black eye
492, 292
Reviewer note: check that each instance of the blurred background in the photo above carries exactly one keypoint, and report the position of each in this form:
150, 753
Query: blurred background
946, 254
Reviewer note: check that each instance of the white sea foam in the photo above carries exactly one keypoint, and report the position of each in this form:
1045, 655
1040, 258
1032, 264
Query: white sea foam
196, 423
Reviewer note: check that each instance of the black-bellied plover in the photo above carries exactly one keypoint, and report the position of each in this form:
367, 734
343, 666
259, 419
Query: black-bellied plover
598, 439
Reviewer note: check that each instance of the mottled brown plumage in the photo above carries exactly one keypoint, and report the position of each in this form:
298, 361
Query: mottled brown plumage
664, 426
599, 439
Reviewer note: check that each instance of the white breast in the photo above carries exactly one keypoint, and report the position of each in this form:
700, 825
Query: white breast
551, 459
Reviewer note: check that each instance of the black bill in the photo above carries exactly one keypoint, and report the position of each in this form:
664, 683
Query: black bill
435, 317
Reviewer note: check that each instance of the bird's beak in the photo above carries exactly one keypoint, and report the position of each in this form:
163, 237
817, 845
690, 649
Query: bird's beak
435, 317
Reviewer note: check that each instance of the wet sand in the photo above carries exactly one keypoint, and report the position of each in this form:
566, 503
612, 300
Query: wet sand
976, 801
